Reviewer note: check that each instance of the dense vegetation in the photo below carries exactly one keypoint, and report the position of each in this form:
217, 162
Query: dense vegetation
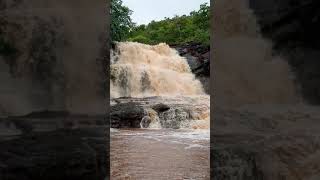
121, 23
177, 30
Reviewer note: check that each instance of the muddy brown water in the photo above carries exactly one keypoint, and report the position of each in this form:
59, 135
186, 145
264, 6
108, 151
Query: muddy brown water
158, 154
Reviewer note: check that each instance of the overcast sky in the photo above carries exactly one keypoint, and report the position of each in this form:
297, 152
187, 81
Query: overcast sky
144, 11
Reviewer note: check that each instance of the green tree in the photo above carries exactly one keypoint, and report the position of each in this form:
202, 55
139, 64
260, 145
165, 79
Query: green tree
140, 39
177, 30
121, 22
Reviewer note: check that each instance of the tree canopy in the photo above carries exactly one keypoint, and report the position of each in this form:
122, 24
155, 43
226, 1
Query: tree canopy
194, 27
121, 22
177, 30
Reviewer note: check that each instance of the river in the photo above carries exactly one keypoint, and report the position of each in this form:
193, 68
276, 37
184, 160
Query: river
160, 154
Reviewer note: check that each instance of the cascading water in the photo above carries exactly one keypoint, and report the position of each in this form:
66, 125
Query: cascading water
142, 71
168, 103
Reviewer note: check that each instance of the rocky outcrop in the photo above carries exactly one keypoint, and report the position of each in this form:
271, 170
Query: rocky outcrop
161, 107
160, 112
126, 115
198, 58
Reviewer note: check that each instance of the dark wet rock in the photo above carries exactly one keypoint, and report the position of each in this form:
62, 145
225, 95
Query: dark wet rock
198, 57
145, 122
174, 118
205, 81
168, 112
160, 107
192, 61
126, 115
203, 69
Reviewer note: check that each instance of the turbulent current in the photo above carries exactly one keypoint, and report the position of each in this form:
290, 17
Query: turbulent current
154, 91
140, 70
149, 75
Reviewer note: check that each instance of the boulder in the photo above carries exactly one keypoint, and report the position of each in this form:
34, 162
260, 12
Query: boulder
167, 112
126, 115
198, 58
197, 55
145, 122
160, 107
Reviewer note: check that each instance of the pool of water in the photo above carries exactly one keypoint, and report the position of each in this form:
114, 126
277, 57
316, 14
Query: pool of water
145, 154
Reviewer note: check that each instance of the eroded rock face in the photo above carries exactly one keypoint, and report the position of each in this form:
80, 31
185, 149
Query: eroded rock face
198, 58
127, 115
161, 107
160, 112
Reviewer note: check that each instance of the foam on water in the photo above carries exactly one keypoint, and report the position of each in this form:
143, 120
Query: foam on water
140, 70
158, 74
188, 138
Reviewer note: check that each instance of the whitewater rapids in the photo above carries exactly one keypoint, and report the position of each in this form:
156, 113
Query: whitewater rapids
140, 70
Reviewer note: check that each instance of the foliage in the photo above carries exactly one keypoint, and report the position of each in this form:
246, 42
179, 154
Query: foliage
121, 22
177, 30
